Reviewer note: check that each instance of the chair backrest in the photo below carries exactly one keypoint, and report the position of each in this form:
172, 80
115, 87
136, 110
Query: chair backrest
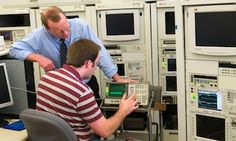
45, 126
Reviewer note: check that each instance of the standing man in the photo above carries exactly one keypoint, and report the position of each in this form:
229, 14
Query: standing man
63, 92
43, 44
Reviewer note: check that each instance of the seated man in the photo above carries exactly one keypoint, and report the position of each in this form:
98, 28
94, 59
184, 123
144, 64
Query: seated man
64, 93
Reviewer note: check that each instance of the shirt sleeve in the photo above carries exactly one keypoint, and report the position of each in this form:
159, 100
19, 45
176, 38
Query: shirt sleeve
88, 109
40, 42
20, 49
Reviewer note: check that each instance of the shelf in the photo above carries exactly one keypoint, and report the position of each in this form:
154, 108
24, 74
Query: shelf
139, 136
115, 108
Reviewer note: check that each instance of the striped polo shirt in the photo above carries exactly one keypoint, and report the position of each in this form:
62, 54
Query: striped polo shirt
64, 93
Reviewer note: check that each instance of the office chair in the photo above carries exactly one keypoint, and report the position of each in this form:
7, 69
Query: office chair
45, 126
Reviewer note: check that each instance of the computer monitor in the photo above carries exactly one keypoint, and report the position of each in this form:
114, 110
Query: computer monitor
5, 90
120, 25
211, 30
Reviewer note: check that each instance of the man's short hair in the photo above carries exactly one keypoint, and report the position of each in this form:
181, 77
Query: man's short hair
81, 51
51, 13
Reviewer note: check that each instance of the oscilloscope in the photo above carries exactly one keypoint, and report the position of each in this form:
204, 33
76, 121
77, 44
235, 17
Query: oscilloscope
115, 91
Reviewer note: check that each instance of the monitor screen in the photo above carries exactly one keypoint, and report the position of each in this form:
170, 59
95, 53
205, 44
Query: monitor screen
14, 20
120, 24
117, 89
72, 16
216, 29
210, 127
5, 90
171, 83
170, 22
171, 63
210, 100
7, 35
121, 69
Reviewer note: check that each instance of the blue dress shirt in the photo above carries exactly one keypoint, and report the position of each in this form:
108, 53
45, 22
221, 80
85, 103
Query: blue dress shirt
42, 42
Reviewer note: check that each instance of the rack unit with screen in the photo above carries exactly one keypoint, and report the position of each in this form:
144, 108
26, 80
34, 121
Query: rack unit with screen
211, 30
165, 44
125, 31
164, 64
211, 99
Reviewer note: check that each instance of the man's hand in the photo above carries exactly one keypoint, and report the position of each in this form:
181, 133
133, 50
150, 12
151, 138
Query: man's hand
128, 104
44, 62
117, 78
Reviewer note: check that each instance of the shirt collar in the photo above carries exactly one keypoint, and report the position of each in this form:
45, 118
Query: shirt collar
73, 71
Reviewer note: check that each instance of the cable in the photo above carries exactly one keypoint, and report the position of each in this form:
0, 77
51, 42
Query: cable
21, 89
32, 92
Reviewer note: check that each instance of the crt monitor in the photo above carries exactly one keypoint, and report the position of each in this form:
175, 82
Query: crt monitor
120, 25
5, 90
212, 30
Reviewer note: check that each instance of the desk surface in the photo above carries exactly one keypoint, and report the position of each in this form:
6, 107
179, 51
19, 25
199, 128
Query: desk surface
11, 135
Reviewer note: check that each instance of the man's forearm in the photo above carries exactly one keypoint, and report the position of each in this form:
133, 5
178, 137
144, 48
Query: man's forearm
115, 121
33, 57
